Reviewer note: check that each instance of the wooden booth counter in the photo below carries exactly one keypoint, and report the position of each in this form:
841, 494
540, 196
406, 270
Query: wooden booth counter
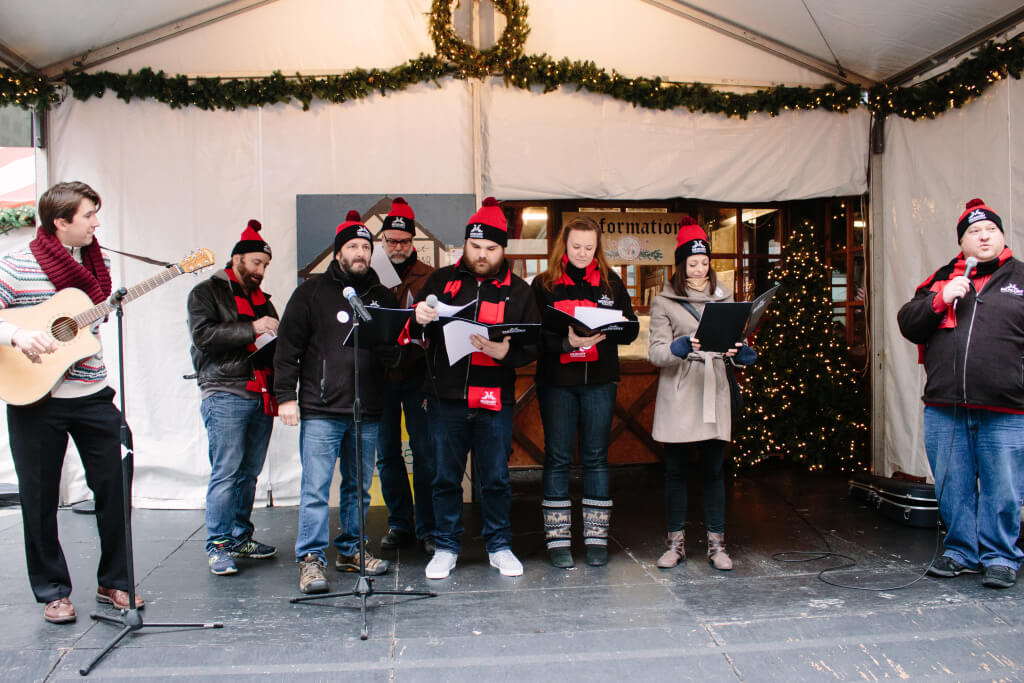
631, 441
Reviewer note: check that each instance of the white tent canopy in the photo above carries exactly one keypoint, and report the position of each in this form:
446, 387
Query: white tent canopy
174, 179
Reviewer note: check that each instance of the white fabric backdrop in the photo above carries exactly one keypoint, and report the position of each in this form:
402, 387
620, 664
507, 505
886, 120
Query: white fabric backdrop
174, 180
930, 170
575, 144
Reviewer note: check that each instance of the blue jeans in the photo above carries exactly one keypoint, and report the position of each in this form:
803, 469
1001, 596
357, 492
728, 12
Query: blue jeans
566, 411
322, 441
394, 479
238, 431
454, 429
979, 481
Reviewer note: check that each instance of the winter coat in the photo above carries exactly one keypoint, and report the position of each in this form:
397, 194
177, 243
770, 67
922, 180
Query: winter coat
411, 363
220, 341
693, 402
988, 338
312, 363
550, 368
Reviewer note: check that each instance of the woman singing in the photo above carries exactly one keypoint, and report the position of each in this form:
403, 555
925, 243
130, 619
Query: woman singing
576, 381
693, 404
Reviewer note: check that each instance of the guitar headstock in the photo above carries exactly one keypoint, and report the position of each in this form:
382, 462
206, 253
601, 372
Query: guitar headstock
197, 260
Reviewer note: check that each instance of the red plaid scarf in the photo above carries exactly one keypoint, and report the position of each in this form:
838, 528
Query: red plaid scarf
91, 276
247, 304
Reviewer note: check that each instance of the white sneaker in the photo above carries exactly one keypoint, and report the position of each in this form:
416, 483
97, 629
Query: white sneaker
507, 563
441, 564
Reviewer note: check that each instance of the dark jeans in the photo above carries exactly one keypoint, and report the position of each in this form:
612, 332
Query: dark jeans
586, 410
406, 396
456, 428
39, 438
710, 455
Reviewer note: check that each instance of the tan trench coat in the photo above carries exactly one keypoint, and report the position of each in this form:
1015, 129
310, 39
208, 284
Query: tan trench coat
693, 404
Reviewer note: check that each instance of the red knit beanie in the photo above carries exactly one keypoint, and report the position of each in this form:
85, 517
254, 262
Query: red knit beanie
351, 229
691, 240
400, 217
974, 212
251, 240
488, 223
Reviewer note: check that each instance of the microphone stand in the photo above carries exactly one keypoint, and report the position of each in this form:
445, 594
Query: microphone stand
130, 619
364, 584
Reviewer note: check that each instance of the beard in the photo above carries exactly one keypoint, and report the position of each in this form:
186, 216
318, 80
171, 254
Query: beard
357, 268
482, 268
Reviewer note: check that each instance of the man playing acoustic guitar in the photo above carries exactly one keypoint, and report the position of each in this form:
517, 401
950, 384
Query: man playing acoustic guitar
65, 254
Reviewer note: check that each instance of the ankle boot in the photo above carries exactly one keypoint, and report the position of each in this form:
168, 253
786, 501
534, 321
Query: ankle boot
717, 556
558, 531
674, 553
597, 516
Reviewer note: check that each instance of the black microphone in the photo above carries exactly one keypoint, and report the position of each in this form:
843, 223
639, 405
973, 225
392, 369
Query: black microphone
118, 296
356, 303
969, 265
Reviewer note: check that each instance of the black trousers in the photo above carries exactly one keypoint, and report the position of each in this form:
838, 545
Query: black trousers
710, 456
39, 439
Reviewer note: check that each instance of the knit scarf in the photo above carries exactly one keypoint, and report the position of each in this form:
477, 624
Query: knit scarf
246, 304
589, 278
91, 275
955, 268
483, 389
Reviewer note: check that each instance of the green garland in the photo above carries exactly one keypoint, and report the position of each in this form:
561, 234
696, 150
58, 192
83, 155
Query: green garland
457, 59
17, 217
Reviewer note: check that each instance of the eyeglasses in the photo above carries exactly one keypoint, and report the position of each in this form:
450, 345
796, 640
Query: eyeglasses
397, 243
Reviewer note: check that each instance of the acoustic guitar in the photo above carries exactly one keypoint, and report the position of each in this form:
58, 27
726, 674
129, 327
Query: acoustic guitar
67, 316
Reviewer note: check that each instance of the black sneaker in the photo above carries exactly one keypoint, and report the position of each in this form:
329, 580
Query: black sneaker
946, 568
396, 538
427, 545
999, 576
252, 550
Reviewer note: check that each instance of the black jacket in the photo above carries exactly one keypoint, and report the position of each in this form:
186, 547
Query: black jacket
988, 342
453, 381
219, 339
550, 368
312, 363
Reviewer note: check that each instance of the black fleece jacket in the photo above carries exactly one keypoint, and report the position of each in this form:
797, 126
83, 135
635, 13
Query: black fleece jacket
312, 363
980, 362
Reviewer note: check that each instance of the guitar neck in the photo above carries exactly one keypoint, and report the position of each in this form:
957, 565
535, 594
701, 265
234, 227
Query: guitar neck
100, 311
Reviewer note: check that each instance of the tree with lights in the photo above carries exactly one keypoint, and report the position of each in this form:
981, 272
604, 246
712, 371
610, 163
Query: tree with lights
802, 398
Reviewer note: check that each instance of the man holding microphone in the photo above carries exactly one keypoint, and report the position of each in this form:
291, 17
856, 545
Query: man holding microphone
968, 319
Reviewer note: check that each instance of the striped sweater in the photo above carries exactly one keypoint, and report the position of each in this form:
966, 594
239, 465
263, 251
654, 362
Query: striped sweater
23, 283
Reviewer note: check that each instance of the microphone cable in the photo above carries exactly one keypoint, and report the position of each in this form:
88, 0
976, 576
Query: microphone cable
850, 562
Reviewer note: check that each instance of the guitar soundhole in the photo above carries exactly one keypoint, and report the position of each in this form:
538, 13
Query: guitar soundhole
64, 329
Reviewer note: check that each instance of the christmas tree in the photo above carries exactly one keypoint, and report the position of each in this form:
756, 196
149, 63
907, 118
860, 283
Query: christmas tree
802, 398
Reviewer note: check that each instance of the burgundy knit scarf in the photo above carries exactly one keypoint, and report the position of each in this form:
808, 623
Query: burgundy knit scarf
91, 276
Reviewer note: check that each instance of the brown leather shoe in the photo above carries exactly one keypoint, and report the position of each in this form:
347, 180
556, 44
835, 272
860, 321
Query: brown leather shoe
717, 556
117, 598
674, 553
60, 612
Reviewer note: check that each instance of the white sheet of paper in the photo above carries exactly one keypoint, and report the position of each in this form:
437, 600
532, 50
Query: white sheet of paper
594, 317
447, 310
264, 339
381, 264
456, 338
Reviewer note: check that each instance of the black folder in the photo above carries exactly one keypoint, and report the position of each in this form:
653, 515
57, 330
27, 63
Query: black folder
383, 328
617, 332
724, 323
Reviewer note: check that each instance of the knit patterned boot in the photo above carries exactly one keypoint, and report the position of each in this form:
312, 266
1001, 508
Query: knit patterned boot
597, 516
558, 531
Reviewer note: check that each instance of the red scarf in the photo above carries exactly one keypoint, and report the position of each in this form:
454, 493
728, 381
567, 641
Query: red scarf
484, 388
940, 278
592, 277
247, 303
91, 276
